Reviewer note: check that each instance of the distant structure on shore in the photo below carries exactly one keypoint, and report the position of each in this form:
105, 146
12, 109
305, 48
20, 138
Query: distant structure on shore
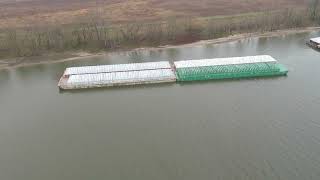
314, 43
164, 72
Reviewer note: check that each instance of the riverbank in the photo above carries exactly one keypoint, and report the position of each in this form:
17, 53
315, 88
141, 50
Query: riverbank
74, 56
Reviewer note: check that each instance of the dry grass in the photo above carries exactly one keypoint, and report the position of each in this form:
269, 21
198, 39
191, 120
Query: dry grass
30, 12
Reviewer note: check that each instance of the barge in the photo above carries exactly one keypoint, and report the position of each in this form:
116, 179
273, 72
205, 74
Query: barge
116, 75
314, 43
164, 72
228, 68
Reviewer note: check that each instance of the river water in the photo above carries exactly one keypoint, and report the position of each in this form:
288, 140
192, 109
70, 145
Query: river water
266, 128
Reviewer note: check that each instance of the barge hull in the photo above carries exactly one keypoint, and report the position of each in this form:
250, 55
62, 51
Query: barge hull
100, 85
230, 76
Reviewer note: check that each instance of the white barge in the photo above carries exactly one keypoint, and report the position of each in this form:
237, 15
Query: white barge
117, 75
314, 43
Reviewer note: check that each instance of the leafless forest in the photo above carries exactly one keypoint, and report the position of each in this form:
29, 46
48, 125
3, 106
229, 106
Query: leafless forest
36, 27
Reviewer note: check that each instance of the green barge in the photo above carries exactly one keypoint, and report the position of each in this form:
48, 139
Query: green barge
229, 68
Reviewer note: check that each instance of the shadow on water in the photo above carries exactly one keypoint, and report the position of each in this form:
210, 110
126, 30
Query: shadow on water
52, 71
117, 88
136, 56
173, 54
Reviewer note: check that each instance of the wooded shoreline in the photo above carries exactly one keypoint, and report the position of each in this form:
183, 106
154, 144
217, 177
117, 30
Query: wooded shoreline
74, 56
98, 35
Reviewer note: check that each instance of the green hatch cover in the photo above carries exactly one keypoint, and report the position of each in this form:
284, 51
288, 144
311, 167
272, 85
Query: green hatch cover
231, 71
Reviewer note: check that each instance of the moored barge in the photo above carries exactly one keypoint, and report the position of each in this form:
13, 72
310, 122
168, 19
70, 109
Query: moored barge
117, 75
229, 68
164, 72
314, 43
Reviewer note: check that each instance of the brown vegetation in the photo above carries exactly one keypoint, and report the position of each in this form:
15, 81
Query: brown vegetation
27, 12
99, 29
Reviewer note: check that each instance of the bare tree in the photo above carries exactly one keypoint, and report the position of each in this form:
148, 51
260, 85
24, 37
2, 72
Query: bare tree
313, 9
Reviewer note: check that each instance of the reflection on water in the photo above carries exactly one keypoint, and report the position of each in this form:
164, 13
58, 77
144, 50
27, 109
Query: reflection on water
4, 76
260, 128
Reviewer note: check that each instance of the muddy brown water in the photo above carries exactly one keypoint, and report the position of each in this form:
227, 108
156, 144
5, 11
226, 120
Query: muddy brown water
266, 128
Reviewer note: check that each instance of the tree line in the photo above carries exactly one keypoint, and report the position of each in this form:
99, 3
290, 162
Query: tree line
100, 35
